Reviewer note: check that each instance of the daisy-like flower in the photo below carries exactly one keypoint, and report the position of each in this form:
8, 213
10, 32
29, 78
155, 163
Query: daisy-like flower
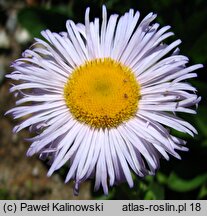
102, 96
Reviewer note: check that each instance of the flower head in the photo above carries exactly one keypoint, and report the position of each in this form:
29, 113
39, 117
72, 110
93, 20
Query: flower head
103, 94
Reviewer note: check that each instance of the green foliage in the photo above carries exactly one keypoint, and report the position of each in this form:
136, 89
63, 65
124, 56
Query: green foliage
203, 192
180, 185
4, 194
155, 192
37, 19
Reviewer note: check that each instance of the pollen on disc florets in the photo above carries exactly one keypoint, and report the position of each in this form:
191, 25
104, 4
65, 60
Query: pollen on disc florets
102, 93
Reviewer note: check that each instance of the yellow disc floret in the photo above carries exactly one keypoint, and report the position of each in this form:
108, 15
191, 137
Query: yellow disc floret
102, 93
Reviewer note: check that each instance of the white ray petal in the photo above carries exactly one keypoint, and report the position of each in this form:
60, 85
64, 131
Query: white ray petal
103, 169
98, 142
79, 155
39, 144
99, 174
122, 160
108, 44
64, 146
42, 117
125, 151
94, 28
25, 110
166, 120
77, 145
90, 156
57, 57
77, 40
103, 30
157, 57
82, 154
108, 158
140, 144
42, 98
114, 158
123, 36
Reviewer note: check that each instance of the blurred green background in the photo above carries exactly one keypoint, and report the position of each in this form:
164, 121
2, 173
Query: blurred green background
25, 178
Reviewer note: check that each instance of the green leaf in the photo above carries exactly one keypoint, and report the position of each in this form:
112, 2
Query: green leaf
149, 195
161, 178
149, 178
37, 19
155, 192
181, 185
203, 192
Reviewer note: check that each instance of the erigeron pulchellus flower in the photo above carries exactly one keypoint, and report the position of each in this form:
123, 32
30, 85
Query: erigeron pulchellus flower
103, 96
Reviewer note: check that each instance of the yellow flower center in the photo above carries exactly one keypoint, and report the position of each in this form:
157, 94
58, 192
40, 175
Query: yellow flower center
102, 93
